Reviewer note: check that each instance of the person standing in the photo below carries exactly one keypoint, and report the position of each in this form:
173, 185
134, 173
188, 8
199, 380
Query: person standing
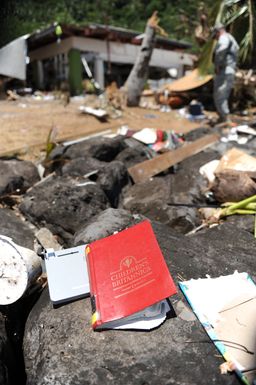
225, 60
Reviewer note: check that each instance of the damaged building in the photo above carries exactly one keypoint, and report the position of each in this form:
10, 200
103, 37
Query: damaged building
55, 53
109, 51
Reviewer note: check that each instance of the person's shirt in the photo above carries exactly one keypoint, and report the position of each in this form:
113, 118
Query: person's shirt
225, 54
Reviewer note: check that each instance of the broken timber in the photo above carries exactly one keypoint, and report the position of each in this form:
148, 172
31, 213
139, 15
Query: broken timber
144, 170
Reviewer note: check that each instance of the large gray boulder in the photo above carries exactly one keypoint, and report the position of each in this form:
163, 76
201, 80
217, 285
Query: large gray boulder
61, 348
105, 224
111, 177
101, 148
16, 176
63, 204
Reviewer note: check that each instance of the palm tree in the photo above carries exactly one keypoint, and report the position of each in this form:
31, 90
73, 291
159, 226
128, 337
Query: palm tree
239, 16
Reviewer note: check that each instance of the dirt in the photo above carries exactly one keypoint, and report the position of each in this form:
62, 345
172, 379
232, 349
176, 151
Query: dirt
25, 123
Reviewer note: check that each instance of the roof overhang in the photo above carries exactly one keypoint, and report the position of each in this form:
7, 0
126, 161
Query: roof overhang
99, 31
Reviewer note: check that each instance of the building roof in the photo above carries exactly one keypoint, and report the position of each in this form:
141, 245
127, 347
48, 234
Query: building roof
99, 31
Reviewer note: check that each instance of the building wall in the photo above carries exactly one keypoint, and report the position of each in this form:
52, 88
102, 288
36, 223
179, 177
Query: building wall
116, 53
111, 52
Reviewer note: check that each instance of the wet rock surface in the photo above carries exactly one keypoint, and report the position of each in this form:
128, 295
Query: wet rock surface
60, 346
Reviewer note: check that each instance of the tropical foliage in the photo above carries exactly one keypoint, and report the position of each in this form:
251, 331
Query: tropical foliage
178, 17
239, 16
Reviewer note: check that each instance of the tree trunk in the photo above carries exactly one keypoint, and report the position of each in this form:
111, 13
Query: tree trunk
139, 73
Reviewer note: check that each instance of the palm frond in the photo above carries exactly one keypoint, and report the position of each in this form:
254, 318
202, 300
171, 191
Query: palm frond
237, 14
233, 14
248, 41
205, 63
245, 47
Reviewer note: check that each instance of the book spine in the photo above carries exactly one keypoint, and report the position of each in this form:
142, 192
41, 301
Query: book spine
95, 319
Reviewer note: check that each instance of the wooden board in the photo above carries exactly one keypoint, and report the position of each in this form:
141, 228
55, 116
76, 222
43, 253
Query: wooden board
188, 82
149, 168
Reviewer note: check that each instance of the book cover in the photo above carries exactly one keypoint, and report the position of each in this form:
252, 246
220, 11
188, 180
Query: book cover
127, 273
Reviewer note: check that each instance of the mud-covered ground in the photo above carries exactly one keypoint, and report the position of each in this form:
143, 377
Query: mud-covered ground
25, 123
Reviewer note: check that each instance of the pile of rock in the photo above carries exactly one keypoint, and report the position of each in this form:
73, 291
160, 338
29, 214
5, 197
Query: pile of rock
86, 195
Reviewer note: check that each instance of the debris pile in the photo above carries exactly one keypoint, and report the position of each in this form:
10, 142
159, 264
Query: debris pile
85, 191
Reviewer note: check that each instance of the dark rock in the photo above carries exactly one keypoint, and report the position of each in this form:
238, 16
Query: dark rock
58, 152
140, 196
55, 160
81, 166
104, 149
13, 227
3, 353
12, 324
183, 219
105, 224
187, 184
217, 251
10, 341
112, 178
63, 206
132, 155
17, 176
243, 222
12, 317
151, 199
60, 347
199, 133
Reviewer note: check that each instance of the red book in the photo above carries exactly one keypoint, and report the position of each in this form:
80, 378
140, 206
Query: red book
127, 274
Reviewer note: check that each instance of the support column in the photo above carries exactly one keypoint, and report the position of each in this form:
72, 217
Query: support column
38, 74
180, 73
75, 72
99, 71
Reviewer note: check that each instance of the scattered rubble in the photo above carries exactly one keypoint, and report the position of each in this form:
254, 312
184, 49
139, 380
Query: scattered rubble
88, 192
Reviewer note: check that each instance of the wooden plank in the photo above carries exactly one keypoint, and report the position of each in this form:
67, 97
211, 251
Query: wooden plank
144, 170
